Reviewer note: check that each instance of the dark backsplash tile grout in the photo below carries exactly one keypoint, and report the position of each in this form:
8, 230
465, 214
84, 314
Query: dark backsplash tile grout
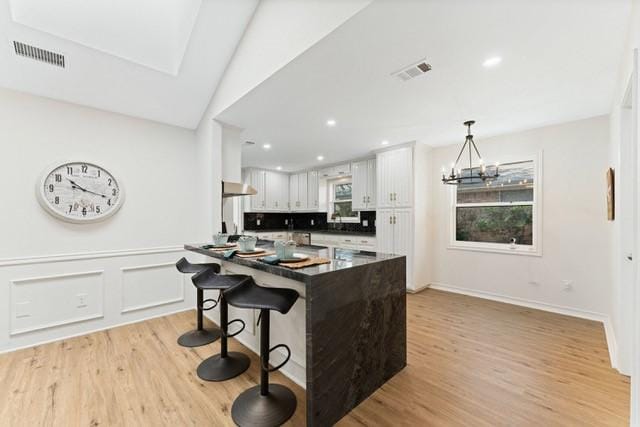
302, 221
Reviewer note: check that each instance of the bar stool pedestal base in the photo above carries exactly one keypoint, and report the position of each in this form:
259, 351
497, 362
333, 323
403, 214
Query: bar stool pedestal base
217, 368
253, 409
199, 337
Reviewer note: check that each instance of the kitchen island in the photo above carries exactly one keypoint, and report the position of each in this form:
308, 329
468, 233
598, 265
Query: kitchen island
350, 323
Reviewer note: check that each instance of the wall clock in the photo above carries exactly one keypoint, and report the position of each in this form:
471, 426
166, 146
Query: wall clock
79, 192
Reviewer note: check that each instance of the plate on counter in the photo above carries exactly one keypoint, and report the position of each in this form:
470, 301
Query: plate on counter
253, 252
295, 258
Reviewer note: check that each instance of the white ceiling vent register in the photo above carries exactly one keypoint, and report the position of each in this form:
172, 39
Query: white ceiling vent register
412, 71
42, 55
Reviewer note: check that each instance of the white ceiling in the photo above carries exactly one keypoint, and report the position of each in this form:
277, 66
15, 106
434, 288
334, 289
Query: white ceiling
155, 59
560, 62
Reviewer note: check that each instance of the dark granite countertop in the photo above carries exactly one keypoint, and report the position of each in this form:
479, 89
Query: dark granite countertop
337, 232
341, 259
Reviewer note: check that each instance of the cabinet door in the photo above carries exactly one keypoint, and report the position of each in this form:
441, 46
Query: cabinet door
313, 190
384, 230
359, 185
284, 193
271, 193
403, 231
257, 180
371, 184
403, 178
384, 175
293, 192
302, 191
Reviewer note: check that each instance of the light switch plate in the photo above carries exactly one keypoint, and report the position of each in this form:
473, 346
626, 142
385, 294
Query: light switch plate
365, 223
257, 222
82, 300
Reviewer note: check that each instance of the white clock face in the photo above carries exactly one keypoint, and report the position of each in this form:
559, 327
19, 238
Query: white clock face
80, 192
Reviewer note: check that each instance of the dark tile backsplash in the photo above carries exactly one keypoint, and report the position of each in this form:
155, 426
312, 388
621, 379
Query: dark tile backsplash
302, 221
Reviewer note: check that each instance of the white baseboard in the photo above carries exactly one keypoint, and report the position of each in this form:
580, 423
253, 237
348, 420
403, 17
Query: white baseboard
91, 331
553, 308
418, 289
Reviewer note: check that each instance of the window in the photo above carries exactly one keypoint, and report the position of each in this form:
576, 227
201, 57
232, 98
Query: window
340, 201
499, 214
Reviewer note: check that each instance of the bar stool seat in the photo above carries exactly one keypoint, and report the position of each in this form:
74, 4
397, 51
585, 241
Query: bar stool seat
225, 365
265, 405
201, 335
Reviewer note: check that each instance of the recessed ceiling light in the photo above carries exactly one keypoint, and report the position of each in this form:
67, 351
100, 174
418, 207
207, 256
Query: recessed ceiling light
492, 62
279, 168
266, 146
331, 123
385, 142
320, 158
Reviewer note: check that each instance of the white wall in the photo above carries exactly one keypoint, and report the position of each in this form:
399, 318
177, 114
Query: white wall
575, 238
124, 263
279, 31
623, 291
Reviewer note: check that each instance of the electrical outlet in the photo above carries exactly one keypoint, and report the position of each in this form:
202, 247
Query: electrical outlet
365, 223
258, 222
22, 309
567, 285
82, 300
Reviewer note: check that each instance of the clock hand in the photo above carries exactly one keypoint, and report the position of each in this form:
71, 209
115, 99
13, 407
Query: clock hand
74, 185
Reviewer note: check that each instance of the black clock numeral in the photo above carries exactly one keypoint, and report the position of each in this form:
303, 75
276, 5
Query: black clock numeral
84, 211
98, 209
69, 170
51, 188
98, 173
56, 200
85, 168
114, 192
109, 202
70, 208
109, 182
58, 177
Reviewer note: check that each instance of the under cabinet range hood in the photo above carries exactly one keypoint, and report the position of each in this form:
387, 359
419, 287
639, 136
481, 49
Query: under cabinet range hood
237, 189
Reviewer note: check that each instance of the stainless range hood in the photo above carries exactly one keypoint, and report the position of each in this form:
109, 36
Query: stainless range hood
237, 189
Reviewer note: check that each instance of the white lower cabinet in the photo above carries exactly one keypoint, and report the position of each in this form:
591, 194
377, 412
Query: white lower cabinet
347, 241
394, 234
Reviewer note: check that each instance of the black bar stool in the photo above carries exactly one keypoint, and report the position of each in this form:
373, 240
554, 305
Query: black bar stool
200, 335
265, 405
225, 365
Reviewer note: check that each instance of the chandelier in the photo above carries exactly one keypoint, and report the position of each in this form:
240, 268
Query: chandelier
470, 175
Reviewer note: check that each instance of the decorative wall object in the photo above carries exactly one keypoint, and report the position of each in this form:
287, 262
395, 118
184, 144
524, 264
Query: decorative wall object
79, 192
611, 195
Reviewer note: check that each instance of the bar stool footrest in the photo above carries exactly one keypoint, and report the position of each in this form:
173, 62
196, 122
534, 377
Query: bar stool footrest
275, 368
228, 335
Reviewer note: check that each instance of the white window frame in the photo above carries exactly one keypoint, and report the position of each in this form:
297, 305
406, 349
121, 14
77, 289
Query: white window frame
506, 248
331, 190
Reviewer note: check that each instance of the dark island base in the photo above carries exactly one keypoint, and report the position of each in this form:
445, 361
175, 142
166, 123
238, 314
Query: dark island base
356, 336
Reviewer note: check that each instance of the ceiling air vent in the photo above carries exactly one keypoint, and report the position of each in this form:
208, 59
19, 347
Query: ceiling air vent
412, 71
38, 54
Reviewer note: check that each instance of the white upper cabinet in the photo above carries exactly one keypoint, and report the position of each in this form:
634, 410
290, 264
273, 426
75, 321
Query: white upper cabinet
364, 184
395, 178
258, 201
276, 191
313, 189
299, 199
335, 171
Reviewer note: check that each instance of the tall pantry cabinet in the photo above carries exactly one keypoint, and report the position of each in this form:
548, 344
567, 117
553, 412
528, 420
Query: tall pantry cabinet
401, 228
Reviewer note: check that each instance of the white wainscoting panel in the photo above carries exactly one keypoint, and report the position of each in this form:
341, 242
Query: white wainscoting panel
54, 300
152, 285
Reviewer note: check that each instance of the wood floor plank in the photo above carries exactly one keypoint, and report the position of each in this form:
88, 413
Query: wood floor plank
470, 362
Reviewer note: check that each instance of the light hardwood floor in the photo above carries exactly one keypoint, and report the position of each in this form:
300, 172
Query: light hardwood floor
471, 362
